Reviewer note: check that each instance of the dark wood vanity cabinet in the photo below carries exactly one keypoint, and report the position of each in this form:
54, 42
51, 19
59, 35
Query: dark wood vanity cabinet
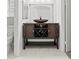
41, 30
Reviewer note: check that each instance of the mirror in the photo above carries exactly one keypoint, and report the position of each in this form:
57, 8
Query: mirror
37, 11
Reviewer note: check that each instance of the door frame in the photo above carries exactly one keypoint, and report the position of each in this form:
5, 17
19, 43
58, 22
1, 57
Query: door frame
67, 25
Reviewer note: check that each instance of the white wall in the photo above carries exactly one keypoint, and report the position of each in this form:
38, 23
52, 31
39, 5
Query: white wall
10, 8
10, 12
10, 25
10, 21
16, 39
68, 25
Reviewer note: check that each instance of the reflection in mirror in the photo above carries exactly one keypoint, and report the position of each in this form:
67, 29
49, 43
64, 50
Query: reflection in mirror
24, 11
40, 11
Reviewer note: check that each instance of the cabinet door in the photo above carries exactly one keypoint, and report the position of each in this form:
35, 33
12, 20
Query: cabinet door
51, 30
28, 30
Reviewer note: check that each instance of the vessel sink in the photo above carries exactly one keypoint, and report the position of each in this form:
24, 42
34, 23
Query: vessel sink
40, 20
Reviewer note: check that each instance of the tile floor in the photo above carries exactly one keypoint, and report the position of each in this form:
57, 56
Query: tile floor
40, 53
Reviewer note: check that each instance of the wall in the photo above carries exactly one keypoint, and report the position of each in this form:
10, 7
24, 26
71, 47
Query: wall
10, 26
18, 40
68, 25
10, 10
10, 21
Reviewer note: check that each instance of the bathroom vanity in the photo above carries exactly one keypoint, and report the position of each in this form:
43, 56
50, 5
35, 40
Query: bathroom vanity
40, 31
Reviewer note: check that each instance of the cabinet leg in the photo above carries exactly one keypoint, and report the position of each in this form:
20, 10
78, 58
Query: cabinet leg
24, 43
24, 47
54, 41
57, 44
